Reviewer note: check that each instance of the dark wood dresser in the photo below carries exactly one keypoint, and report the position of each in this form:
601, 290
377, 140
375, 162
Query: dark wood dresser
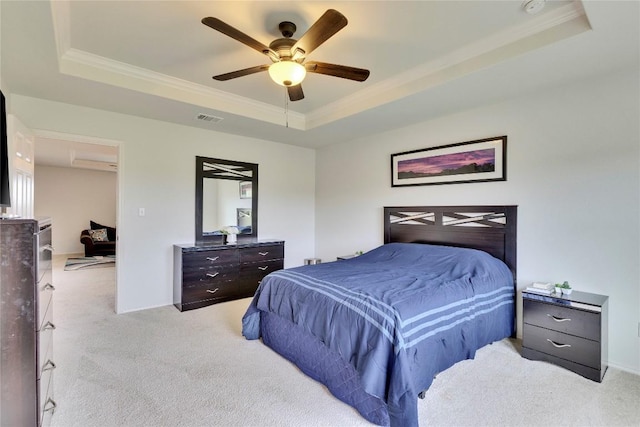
26, 328
208, 274
570, 331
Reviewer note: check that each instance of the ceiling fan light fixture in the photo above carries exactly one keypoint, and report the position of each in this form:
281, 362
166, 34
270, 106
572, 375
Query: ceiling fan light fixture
287, 73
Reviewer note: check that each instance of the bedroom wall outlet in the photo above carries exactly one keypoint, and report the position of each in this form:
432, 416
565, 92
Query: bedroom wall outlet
140, 211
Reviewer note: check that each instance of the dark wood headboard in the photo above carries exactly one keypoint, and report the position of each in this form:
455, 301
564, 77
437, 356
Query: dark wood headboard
489, 228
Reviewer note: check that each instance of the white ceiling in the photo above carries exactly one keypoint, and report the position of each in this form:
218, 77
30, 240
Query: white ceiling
155, 59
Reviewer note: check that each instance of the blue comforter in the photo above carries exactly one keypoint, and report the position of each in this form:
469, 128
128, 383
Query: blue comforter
398, 314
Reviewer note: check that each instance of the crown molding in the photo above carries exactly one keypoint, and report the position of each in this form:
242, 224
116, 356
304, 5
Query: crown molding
97, 68
93, 67
61, 17
536, 32
503, 45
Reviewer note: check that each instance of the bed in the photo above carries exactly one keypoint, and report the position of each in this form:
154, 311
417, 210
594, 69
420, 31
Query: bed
377, 328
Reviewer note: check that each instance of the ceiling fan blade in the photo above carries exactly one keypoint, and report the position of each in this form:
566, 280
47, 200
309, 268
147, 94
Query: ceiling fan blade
326, 26
238, 35
295, 92
343, 71
240, 73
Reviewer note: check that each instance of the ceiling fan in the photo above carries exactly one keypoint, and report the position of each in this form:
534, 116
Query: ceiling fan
288, 55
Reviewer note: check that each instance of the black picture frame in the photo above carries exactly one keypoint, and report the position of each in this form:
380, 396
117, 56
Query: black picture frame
481, 160
246, 188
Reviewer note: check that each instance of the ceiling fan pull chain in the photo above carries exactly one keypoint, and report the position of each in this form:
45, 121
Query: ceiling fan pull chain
286, 107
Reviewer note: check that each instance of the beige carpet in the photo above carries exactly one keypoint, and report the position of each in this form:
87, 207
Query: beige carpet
161, 367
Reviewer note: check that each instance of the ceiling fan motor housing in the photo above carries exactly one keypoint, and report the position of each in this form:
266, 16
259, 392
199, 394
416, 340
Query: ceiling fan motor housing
283, 47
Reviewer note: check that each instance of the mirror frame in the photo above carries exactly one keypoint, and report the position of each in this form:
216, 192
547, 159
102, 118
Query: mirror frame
201, 175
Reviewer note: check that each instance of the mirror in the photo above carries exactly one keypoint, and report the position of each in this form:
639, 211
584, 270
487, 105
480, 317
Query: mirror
226, 195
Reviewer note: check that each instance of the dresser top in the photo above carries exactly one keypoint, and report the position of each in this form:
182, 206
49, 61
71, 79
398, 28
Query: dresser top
577, 299
244, 243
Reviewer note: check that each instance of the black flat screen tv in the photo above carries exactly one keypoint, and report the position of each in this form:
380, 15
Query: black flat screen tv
5, 196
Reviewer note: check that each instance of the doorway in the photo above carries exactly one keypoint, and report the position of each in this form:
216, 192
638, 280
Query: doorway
76, 181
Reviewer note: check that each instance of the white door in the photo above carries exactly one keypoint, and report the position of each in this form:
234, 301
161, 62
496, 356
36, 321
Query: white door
21, 152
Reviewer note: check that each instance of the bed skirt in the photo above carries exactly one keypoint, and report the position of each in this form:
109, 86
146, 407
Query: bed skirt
322, 364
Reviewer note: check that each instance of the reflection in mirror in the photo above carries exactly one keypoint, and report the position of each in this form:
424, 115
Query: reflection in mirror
220, 202
226, 196
244, 217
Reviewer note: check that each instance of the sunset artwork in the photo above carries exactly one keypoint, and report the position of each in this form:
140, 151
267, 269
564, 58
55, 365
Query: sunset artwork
482, 160
475, 161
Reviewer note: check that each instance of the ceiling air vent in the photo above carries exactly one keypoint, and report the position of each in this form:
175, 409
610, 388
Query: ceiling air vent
208, 118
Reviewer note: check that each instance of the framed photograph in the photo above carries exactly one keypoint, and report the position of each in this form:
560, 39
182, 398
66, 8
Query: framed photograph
245, 189
472, 161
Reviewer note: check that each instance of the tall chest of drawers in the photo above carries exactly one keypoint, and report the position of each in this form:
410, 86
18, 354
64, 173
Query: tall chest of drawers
570, 331
26, 329
208, 274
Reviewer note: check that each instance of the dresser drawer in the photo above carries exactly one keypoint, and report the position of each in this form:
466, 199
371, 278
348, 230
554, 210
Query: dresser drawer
45, 278
223, 290
46, 403
562, 319
45, 251
208, 259
45, 297
211, 276
261, 253
45, 349
579, 350
46, 322
257, 270
45, 359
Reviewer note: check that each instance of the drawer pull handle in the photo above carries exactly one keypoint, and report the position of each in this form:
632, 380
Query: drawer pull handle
52, 405
213, 291
263, 253
213, 259
558, 345
263, 268
49, 366
212, 274
48, 325
47, 248
559, 319
49, 286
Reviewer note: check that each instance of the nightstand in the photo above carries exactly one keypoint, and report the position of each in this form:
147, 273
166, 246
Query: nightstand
343, 257
568, 331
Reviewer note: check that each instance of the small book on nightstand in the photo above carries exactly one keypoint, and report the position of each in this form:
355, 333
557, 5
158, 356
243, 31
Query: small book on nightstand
541, 288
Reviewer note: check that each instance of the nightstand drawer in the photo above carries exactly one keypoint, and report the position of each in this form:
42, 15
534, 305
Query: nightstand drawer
562, 319
564, 346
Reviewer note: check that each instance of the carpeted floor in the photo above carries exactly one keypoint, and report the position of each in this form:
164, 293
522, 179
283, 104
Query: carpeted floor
77, 263
160, 367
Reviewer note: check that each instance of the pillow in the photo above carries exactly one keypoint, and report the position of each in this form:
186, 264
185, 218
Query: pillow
111, 231
99, 235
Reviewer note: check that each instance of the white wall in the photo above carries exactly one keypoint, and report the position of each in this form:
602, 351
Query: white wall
573, 170
73, 197
157, 172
